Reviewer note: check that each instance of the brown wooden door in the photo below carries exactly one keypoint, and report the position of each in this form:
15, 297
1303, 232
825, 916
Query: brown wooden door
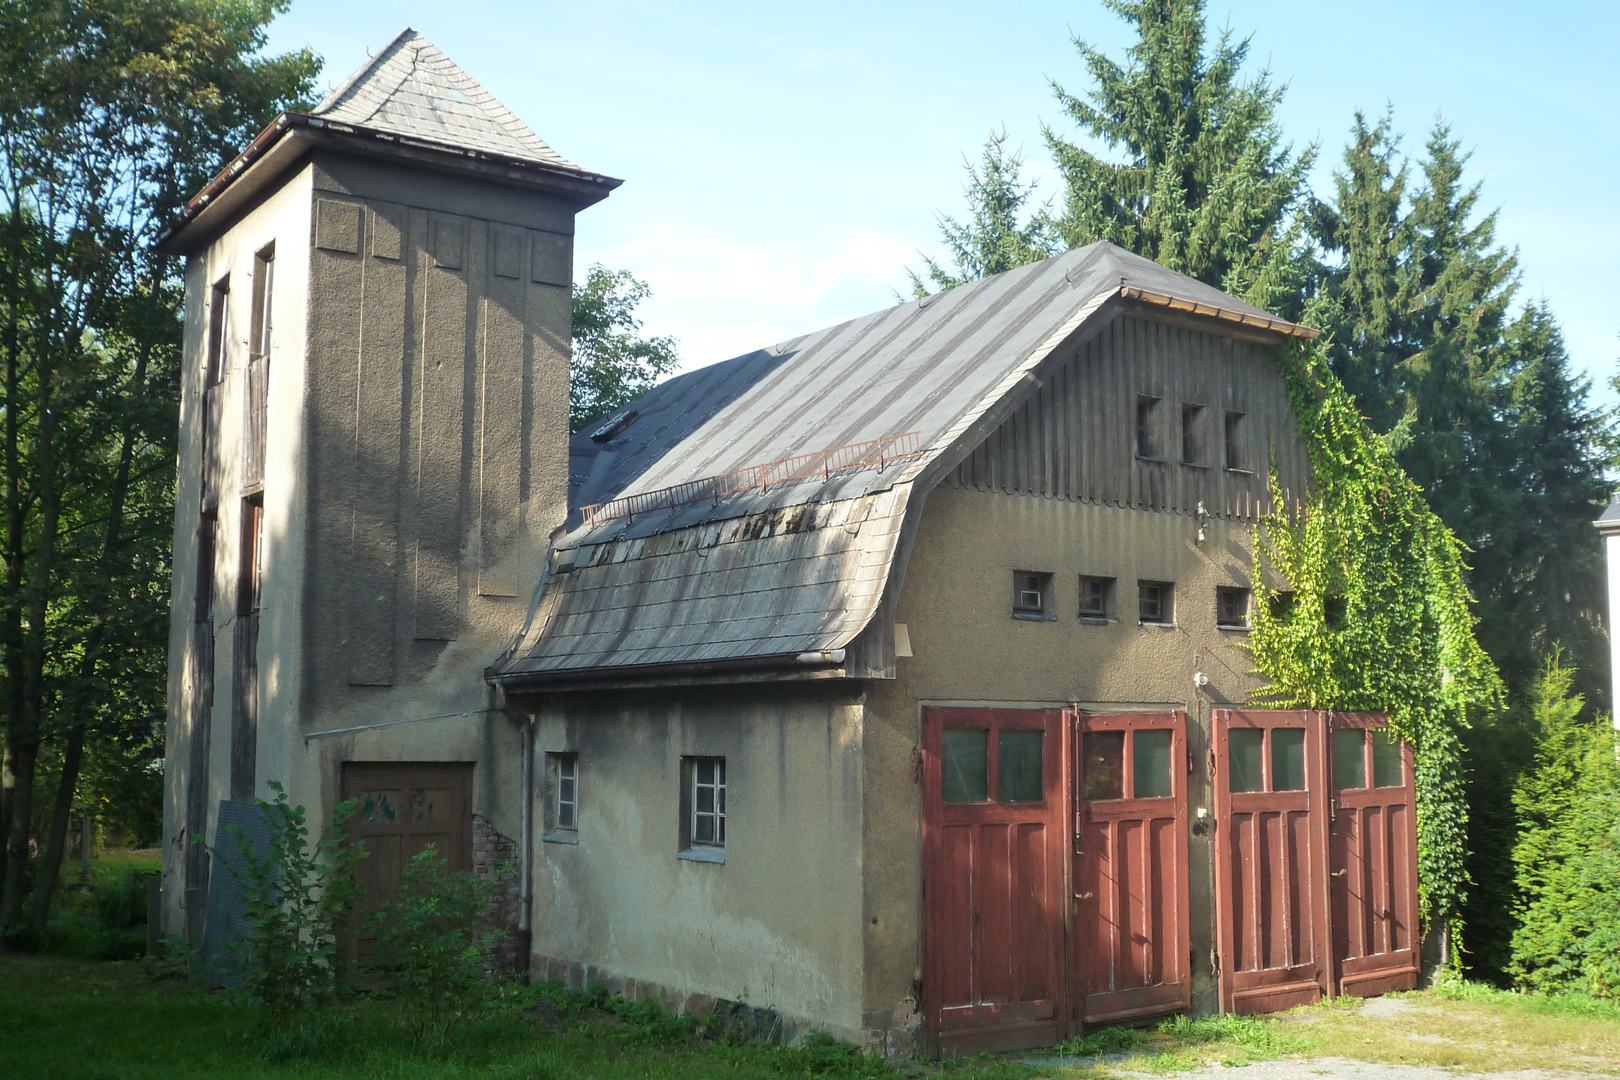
404, 807
993, 844
1270, 859
1131, 938
1373, 856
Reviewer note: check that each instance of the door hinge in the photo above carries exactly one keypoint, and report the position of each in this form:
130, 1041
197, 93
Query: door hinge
1215, 961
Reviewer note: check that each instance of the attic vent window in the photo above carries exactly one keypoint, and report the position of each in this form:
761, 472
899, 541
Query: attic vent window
1236, 460
615, 425
1031, 595
1147, 429
1192, 434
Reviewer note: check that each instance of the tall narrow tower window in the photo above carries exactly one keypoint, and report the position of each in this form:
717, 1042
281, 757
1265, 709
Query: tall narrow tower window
219, 304
264, 273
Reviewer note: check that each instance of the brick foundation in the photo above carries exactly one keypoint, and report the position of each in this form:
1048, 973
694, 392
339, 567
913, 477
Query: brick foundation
495, 860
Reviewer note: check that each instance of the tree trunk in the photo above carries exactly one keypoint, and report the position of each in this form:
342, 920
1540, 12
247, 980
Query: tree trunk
51, 866
22, 753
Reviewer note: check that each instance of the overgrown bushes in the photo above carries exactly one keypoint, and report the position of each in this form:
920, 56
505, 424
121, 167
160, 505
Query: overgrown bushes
1567, 856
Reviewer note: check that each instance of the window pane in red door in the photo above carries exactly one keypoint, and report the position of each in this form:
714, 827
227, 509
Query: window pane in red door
1104, 765
1151, 770
1019, 767
1349, 765
1386, 759
1287, 759
964, 763
1247, 747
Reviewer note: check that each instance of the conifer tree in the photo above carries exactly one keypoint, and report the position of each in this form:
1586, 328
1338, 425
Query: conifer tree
1207, 186
993, 239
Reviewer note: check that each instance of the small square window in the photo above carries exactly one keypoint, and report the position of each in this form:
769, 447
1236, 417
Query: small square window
1156, 602
1232, 608
1032, 595
1094, 594
703, 809
562, 798
1147, 428
1235, 458
1192, 434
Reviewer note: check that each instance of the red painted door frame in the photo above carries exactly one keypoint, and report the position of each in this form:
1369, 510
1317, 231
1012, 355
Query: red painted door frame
1373, 852
1131, 952
1271, 867
993, 894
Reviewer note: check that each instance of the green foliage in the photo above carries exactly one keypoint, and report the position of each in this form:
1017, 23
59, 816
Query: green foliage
111, 113
1496, 749
1207, 185
1108, 1040
612, 362
429, 944
992, 240
1480, 405
298, 896
1368, 544
1568, 852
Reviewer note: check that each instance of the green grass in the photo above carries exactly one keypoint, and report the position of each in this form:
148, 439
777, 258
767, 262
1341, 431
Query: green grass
78, 1020
69, 1019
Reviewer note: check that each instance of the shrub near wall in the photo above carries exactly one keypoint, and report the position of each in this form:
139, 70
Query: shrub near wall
1568, 851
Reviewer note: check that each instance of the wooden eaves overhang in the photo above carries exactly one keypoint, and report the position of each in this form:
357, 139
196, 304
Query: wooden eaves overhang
798, 583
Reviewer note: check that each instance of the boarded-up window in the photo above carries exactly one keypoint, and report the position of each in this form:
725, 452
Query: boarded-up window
1235, 457
1148, 444
1192, 434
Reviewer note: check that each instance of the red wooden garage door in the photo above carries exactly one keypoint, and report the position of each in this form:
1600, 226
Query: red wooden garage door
1270, 860
1130, 866
1373, 851
993, 849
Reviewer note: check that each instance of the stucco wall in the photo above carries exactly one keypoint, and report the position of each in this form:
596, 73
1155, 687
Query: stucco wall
416, 460
956, 605
778, 923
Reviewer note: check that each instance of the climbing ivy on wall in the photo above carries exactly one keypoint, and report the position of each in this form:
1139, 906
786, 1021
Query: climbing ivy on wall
1378, 617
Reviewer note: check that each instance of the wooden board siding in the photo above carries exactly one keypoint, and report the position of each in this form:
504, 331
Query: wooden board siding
1075, 438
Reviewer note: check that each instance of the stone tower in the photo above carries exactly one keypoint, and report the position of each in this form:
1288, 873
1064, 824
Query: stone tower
373, 433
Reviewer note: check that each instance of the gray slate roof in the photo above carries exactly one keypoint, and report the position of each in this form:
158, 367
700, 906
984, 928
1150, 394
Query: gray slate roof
784, 571
413, 90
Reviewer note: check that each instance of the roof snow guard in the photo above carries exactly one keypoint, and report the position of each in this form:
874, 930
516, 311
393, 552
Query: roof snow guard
881, 453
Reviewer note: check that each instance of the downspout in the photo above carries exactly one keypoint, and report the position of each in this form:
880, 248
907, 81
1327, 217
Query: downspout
525, 934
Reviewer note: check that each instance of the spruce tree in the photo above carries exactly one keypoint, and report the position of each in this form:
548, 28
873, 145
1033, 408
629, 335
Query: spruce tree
1207, 186
997, 236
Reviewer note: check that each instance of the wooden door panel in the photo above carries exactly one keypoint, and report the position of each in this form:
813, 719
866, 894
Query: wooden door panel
403, 808
1373, 858
1270, 860
992, 884
1130, 869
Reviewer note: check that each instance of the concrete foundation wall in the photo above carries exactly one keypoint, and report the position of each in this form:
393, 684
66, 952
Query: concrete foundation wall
778, 924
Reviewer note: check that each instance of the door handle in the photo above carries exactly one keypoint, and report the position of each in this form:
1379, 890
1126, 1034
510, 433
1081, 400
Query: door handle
1084, 895
1340, 873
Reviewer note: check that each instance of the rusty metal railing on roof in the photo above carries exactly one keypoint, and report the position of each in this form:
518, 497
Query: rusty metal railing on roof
825, 464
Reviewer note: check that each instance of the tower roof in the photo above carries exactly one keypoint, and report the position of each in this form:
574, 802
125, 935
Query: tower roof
410, 102
413, 90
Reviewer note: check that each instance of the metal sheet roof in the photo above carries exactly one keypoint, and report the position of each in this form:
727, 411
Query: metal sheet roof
412, 89
665, 587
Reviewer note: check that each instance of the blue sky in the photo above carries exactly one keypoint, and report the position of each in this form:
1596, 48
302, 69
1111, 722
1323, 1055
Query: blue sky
784, 164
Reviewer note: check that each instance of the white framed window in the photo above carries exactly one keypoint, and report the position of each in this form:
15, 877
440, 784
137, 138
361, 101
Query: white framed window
1032, 595
562, 798
703, 809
